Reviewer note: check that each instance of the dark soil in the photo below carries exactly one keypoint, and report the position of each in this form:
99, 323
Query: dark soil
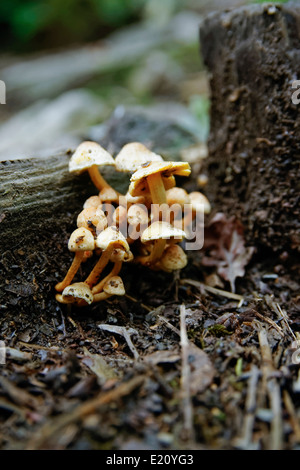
43, 390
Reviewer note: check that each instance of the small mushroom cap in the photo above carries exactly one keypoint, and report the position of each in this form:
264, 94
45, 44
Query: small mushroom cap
165, 168
92, 201
78, 291
120, 215
173, 258
177, 196
138, 214
91, 217
161, 230
108, 195
199, 202
111, 237
133, 155
81, 240
119, 254
138, 181
140, 187
114, 286
88, 154
146, 199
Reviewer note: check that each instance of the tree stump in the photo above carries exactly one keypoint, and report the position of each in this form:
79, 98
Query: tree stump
253, 56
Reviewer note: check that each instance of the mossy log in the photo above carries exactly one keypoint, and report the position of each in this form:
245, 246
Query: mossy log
253, 57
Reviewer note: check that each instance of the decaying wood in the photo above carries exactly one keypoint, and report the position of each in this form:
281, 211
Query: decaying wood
253, 56
37, 197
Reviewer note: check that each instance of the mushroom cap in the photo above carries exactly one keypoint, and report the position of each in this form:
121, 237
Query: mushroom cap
119, 254
140, 187
114, 286
199, 202
108, 195
137, 214
177, 196
81, 240
88, 154
146, 199
120, 215
138, 181
78, 291
91, 217
92, 201
111, 237
133, 155
173, 258
165, 168
161, 230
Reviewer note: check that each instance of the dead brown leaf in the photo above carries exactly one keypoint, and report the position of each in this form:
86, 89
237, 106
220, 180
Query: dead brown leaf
225, 248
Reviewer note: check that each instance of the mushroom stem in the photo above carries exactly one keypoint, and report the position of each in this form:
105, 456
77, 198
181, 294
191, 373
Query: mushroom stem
98, 268
156, 253
114, 272
77, 260
157, 189
101, 296
97, 178
63, 300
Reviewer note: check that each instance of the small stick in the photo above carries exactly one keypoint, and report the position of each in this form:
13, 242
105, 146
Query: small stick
213, 290
273, 389
245, 441
293, 415
185, 378
125, 332
271, 322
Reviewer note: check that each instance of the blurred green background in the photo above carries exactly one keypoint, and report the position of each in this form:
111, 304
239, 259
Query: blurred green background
27, 25
69, 65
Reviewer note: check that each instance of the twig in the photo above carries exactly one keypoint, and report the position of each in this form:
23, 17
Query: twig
273, 389
169, 325
125, 332
140, 303
282, 315
213, 290
185, 378
270, 321
293, 415
245, 442
83, 410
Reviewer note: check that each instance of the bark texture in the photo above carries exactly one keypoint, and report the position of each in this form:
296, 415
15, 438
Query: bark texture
253, 56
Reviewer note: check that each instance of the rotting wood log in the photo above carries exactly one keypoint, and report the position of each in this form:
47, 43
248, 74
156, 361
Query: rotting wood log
253, 56
34, 192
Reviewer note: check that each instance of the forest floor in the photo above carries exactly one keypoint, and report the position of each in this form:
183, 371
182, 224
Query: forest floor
179, 362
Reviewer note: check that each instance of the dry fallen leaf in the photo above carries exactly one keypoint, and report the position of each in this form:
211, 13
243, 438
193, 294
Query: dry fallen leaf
225, 247
202, 370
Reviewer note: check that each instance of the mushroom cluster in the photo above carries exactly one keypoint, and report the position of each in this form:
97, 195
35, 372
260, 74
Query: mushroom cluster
145, 225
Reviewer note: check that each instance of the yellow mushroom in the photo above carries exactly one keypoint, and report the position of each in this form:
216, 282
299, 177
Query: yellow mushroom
113, 286
89, 156
133, 155
173, 258
92, 201
92, 218
78, 293
159, 233
107, 241
155, 178
80, 241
